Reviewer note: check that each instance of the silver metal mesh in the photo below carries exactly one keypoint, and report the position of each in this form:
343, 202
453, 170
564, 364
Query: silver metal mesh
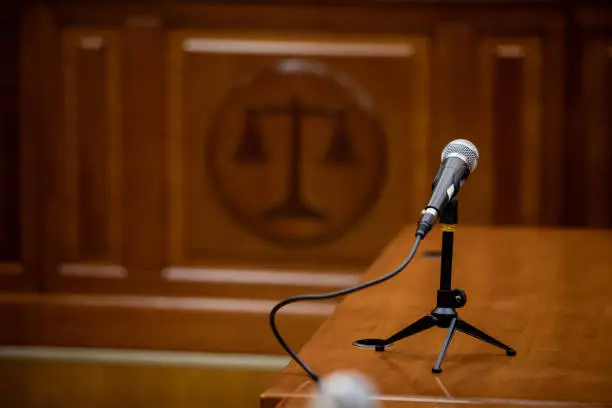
464, 149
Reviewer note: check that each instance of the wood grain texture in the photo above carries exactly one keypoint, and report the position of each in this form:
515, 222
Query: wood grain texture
159, 61
512, 88
116, 101
55, 384
10, 146
596, 142
44, 98
533, 289
554, 122
588, 137
11, 240
144, 144
453, 101
210, 324
18, 171
197, 204
92, 174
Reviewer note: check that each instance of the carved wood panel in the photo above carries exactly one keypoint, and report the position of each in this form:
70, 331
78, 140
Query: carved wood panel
504, 91
589, 141
511, 128
134, 161
299, 151
91, 150
594, 142
144, 144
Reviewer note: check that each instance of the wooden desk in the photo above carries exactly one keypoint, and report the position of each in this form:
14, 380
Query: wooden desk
544, 292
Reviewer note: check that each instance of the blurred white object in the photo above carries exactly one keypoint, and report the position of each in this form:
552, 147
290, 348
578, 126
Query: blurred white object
345, 389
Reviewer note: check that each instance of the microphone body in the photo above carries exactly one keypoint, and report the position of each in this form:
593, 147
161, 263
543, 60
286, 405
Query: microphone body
459, 159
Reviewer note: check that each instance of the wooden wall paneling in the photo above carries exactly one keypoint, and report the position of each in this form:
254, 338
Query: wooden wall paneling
575, 164
11, 241
138, 50
418, 107
47, 70
511, 107
155, 322
28, 106
555, 120
204, 226
10, 146
376, 19
335, 19
590, 141
90, 174
162, 381
595, 138
21, 41
144, 144
453, 102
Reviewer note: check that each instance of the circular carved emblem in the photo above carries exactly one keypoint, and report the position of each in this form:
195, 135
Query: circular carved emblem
296, 154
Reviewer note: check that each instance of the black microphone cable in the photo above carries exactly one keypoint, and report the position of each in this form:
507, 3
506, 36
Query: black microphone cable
331, 295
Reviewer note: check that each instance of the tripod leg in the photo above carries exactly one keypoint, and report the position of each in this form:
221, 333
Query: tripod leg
423, 323
449, 336
420, 325
467, 328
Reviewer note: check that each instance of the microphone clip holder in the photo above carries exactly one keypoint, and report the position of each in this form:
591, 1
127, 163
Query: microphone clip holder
444, 315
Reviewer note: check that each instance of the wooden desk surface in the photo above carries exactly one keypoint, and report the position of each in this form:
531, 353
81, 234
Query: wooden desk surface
545, 292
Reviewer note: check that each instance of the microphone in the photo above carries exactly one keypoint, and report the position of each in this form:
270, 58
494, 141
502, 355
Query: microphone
345, 389
459, 160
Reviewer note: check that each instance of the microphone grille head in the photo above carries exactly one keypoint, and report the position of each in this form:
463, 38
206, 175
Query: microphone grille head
345, 389
463, 149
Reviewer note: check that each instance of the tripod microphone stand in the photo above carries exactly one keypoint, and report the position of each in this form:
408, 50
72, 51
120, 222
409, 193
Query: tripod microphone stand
448, 300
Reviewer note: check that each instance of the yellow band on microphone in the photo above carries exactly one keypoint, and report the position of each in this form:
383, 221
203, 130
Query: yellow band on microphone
449, 227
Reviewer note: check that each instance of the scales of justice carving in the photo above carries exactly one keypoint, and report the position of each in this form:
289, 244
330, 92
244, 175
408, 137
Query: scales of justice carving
269, 130
251, 150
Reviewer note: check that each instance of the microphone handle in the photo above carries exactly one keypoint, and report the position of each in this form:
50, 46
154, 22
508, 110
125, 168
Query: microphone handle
451, 175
